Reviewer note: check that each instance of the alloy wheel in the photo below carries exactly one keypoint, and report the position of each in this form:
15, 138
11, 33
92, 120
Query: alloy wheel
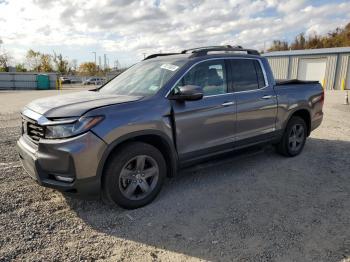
296, 137
138, 177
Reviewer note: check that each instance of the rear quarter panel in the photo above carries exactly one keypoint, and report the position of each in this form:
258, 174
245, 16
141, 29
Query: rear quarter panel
292, 98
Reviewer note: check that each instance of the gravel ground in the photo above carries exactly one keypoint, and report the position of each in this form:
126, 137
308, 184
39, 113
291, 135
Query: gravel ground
254, 206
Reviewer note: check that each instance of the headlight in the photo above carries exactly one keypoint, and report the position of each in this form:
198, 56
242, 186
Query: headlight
82, 125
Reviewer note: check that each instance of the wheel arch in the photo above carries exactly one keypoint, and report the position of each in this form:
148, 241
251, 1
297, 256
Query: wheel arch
152, 137
303, 113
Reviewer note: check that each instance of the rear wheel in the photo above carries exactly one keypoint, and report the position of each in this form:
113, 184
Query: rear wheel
134, 175
294, 137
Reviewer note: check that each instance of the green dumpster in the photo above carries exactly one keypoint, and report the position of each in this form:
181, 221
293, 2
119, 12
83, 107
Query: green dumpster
43, 82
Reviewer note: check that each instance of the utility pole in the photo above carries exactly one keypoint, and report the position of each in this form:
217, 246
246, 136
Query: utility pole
99, 62
104, 61
75, 64
95, 64
95, 57
116, 64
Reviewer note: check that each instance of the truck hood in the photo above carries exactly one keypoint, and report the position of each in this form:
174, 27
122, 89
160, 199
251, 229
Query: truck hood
76, 104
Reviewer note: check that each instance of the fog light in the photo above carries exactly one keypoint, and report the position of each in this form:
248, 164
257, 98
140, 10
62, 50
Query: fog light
64, 178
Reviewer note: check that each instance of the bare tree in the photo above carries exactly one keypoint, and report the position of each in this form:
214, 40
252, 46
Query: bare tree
61, 64
4, 61
45, 63
39, 62
278, 45
337, 38
33, 60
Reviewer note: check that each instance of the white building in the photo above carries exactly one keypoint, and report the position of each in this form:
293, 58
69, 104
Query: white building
330, 66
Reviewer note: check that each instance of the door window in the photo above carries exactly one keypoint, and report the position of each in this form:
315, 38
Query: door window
259, 74
246, 75
210, 75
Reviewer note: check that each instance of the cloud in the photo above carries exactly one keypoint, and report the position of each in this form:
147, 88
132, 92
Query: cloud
290, 5
142, 26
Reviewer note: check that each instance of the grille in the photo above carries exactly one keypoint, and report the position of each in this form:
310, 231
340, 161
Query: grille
33, 130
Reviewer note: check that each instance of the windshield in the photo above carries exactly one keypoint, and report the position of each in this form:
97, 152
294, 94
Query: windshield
144, 78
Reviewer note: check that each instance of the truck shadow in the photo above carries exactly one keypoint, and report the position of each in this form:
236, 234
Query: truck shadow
251, 206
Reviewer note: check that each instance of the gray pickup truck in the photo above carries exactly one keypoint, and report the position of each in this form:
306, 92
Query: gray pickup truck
171, 110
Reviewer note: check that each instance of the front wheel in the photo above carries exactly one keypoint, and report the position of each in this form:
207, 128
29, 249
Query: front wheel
134, 175
294, 137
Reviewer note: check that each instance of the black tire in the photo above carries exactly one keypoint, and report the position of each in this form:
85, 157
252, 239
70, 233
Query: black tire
121, 176
294, 137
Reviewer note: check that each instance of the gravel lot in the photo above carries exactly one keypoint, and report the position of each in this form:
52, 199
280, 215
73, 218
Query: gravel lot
255, 206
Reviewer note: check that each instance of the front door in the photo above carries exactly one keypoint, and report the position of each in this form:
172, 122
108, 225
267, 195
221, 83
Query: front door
207, 125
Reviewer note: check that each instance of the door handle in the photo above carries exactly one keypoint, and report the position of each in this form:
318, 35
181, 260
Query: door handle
267, 97
228, 103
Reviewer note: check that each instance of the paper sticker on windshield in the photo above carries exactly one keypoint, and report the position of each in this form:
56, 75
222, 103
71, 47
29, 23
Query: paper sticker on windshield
169, 67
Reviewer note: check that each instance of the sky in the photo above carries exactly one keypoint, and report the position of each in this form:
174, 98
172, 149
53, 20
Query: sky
126, 30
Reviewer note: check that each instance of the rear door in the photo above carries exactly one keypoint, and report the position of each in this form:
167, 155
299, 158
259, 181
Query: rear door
256, 102
207, 125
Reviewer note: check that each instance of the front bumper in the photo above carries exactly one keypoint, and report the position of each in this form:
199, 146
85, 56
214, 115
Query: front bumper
75, 159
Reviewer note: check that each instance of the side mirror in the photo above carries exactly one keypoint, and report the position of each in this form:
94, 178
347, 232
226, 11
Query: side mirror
189, 93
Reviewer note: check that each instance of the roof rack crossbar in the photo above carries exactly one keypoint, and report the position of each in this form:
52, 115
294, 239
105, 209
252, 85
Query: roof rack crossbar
205, 47
160, 54
202, 52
